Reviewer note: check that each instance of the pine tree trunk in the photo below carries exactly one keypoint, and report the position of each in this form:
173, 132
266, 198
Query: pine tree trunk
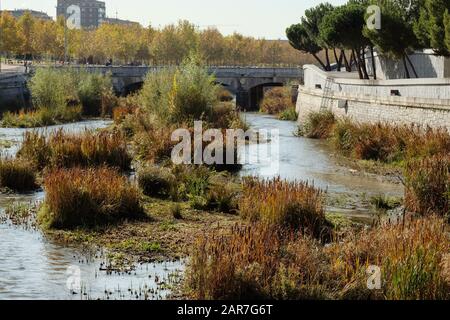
320, 61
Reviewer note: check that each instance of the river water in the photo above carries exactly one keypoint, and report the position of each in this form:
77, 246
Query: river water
32, 267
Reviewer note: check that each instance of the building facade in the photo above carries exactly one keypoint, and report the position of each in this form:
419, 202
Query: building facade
37, 14
92, 12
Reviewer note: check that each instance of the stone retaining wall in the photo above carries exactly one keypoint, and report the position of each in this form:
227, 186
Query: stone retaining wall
425, 102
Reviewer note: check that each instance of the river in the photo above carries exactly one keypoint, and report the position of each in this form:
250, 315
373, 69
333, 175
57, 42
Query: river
32, 267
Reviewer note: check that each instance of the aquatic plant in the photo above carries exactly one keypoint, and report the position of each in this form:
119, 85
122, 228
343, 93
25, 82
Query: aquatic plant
156, 182
61, 149
387, 143
293, 205
180, 94
17, 175
428, 186
288, 115
258, 261
41, 117
318, 125
88, 197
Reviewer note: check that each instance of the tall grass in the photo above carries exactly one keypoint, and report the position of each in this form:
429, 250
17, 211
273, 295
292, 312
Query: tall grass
17, 175
409, 254
41, 117
61, 149
319, 125
387, 143
87, 198
294, 205
379, 141
277, 100
260, 262
428, 186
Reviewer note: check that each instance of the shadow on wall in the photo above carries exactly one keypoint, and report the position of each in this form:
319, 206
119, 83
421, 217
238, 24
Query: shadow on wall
426, 64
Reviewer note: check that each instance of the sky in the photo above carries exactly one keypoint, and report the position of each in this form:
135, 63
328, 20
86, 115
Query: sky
258, 18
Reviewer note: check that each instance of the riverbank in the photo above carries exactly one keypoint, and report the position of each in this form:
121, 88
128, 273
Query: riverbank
163, 238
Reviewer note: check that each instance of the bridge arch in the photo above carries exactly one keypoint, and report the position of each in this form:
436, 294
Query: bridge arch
132, 88
256, 94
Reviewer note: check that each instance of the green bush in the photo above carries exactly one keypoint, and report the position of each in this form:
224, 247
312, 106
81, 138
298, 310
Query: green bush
180, 94
288, 115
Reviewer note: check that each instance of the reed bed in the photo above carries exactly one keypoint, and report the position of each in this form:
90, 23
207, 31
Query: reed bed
88, 198
261, 262
379, 141
428, 186
17, 175
294, 205
319, 125
411, 256
62, 149
389, 144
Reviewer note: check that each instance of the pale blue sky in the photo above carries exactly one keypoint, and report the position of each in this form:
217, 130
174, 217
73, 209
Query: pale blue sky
259, 18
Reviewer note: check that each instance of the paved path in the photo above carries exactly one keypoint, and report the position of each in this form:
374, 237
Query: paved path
12, 68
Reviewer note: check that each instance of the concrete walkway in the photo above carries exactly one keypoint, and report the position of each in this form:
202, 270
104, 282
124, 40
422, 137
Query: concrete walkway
12, 68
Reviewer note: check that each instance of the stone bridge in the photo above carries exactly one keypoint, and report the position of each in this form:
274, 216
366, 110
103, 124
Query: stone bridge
246, 83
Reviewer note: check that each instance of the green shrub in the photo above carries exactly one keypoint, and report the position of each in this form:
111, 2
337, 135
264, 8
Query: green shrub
91, 90
88, 198
52, 88
288, 115
180, 94
17, 175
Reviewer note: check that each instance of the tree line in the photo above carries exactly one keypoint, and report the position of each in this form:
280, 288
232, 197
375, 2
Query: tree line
344, 35
39, 39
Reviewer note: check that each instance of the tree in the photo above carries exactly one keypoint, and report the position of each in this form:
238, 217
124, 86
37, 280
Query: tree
447, 29
9, 38
25, 27
398, 45
305, 36
343, 28
212, 45
430, 27
300, 40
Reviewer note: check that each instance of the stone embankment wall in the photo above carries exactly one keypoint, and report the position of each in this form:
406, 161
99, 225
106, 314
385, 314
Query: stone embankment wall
424, 102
